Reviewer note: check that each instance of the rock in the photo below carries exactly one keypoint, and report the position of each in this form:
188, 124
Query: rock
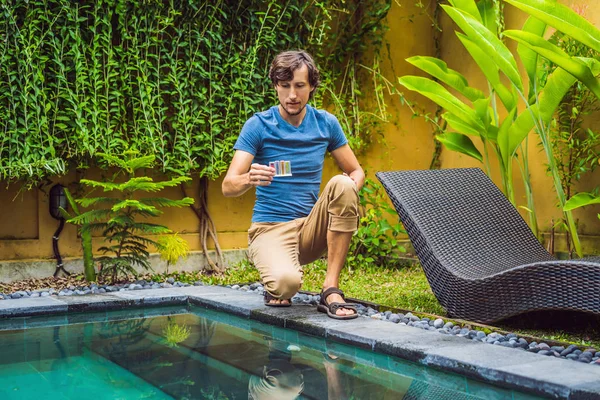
543, 346
568, 350
198, 283
44, 294
448, 325
101, 290
557, 348
395, 318
172, 281
438, 323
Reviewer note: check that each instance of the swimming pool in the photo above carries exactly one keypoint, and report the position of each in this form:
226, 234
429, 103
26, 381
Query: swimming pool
188, 352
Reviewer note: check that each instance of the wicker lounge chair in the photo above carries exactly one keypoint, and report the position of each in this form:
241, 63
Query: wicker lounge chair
481, 259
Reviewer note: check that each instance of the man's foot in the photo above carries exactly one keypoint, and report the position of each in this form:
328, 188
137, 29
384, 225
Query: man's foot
275, 302
333, 303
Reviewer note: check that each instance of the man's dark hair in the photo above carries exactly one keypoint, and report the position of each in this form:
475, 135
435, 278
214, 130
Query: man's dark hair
284, 65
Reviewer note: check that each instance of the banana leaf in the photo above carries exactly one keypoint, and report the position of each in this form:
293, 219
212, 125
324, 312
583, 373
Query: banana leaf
581, 200
489, 44
557, 85
442, 97
503, 136
573, 65
439, 69
459, 125
460, 143
490, 71
488, 12
529, 58
563, 19
467, 6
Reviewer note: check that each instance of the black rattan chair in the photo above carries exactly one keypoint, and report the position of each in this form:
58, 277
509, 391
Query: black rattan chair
481, 259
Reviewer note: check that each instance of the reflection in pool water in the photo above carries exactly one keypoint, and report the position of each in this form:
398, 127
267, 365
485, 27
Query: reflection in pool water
200, 354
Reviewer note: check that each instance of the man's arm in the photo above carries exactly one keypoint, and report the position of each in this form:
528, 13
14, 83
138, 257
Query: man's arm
346, 160
242, 175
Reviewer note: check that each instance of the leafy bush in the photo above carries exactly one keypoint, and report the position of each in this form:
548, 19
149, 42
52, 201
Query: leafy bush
376, 241
119, 222
172, 247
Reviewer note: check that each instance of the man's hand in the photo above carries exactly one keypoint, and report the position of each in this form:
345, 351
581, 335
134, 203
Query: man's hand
243, 175
260, 175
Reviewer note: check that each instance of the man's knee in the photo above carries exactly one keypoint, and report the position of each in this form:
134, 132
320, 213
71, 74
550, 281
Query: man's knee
342, 183
284, 284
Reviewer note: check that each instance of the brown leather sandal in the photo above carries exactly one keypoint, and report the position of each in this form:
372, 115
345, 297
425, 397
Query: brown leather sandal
331, 308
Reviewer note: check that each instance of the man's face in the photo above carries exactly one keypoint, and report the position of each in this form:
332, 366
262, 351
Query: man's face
293, 95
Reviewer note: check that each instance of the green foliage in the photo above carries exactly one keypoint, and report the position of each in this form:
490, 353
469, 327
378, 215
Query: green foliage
172, 247
120, 224
175, 80
575, 149
507, 137
376, 242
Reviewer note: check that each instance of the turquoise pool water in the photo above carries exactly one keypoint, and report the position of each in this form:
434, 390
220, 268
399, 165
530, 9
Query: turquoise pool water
193, 353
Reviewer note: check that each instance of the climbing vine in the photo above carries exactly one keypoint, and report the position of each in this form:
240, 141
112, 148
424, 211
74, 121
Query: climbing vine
169, 78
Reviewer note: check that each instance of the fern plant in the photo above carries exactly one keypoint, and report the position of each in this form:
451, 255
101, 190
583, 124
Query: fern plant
126, 235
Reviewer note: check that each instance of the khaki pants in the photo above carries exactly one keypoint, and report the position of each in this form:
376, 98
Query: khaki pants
279, 249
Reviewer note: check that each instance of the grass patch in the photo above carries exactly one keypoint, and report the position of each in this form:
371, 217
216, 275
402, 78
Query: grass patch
407, 288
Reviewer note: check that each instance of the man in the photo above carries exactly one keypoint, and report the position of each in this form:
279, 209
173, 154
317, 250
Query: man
291, 224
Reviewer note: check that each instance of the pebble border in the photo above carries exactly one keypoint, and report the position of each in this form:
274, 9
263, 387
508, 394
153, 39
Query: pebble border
572, 352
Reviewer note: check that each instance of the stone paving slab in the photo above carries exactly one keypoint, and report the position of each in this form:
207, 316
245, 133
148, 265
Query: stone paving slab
511, 368
31, 306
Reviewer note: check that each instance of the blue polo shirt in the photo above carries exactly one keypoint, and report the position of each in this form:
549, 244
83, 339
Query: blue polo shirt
268, 137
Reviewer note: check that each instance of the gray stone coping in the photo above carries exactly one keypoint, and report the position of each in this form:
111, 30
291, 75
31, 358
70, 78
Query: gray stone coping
501, 366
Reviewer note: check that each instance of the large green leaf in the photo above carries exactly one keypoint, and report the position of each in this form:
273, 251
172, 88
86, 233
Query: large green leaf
439, 69
490, 70
557, 85
574, 66
467, 6
488, 42
529, 58
503, 135
581, 200
563, 19
488, 11
461, 143
459, 125
442, 97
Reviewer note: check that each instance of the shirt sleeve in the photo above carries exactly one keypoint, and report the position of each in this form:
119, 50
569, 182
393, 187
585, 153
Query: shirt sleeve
249, 139
336, 138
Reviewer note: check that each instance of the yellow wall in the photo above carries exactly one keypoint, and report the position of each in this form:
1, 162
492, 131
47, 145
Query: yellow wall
26, 227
